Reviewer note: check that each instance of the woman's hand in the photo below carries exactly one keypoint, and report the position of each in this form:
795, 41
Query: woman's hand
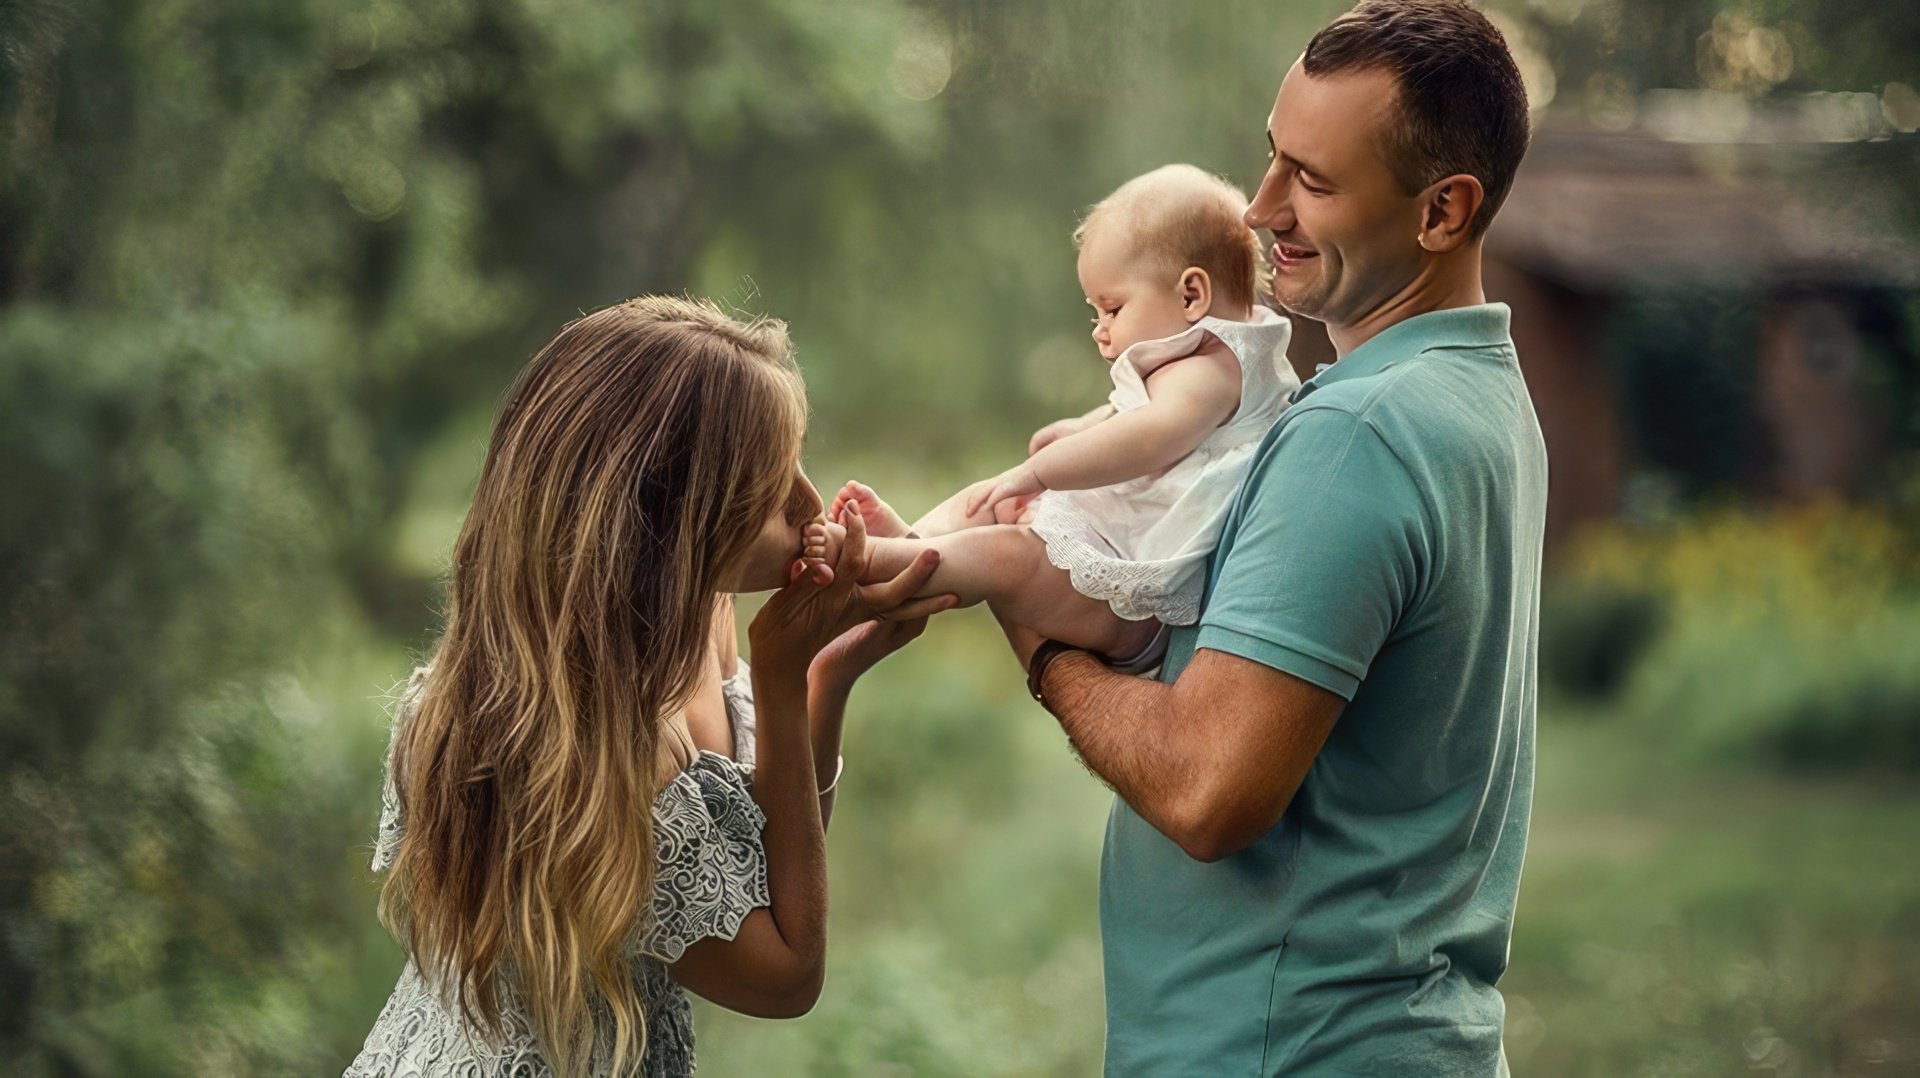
822, 604
860, 649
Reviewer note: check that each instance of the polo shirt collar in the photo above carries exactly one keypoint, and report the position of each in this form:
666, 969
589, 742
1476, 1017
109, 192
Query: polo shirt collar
1483, 325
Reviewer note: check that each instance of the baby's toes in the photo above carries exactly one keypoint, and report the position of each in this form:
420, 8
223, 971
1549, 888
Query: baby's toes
813, 541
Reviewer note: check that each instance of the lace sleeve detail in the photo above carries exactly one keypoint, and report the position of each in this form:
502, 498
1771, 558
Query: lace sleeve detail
712, 870
386, 842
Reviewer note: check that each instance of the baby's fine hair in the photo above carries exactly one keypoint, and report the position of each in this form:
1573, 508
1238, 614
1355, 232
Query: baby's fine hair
1179, 216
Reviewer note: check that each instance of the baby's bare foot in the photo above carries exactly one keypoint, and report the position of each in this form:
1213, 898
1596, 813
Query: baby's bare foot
882, 522
820, 543
818, 551
814, 541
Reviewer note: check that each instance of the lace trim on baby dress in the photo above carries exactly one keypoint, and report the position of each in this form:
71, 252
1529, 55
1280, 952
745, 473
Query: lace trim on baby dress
1134, 590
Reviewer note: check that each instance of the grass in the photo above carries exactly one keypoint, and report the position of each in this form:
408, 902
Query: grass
1675, 922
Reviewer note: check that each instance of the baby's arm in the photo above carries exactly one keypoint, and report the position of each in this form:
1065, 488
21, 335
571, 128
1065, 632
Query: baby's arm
1060, 428
1188, 399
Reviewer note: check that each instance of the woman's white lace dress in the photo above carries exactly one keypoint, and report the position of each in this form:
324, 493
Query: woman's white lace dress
1142, 544
712, 872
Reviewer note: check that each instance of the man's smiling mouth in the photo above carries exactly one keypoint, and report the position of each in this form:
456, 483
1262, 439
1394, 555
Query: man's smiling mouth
1284, 254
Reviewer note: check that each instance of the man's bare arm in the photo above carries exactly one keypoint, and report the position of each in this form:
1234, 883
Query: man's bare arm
1212, 760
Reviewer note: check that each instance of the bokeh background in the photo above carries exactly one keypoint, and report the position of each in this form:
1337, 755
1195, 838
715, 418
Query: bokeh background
266, 266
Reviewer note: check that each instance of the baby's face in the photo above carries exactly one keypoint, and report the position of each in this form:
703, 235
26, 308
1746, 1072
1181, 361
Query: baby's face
1130, 302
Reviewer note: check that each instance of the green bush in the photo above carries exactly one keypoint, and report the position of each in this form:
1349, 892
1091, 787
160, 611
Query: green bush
1593, 635
1792, 638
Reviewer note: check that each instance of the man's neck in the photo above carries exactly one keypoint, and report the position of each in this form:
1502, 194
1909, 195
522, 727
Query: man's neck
1441, 284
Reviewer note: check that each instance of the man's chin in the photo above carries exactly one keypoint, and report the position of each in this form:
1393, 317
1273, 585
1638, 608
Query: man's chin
1304, 306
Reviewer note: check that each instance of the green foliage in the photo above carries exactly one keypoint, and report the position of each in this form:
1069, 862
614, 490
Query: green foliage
256, 258
1792, 638
1592, 636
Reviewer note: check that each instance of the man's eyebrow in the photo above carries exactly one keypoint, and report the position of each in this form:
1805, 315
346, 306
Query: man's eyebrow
1302, 166
1299, 165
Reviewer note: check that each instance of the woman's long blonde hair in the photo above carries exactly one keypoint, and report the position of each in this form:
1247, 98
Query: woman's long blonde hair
632, 464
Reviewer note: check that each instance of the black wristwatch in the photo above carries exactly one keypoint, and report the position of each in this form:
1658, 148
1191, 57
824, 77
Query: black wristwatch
1043, 656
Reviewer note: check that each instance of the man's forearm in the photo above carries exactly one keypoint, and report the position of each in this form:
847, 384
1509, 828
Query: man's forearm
1126, 731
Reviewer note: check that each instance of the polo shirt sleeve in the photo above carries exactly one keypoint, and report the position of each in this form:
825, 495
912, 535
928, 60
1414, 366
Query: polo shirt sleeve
1327, 555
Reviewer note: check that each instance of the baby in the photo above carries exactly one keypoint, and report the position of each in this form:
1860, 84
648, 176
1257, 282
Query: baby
1101, 536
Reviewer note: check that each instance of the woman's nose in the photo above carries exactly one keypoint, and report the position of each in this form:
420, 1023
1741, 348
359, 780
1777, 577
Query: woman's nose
803, 501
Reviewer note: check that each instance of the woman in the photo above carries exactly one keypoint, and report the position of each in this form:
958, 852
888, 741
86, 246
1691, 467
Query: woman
582, 812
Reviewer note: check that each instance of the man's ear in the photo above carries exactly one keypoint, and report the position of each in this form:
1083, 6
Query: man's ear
1448, 213
1196, 293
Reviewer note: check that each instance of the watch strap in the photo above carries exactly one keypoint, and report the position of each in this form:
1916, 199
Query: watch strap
1043, 657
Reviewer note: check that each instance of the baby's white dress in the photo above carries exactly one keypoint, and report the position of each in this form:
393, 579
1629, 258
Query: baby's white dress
1142, 544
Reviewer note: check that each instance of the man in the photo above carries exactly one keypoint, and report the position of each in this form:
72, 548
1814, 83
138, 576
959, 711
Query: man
1311, 863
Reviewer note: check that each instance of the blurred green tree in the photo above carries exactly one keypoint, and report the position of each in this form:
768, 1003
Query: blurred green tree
254, 257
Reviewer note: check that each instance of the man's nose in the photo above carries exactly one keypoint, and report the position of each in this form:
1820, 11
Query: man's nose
1270, 208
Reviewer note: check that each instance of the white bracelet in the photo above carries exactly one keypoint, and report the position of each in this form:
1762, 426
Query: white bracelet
838, 767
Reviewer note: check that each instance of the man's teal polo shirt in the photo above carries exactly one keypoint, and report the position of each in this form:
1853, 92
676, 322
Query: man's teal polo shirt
1385, 546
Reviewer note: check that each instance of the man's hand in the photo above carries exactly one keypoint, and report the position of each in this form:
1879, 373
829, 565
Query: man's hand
1018, 481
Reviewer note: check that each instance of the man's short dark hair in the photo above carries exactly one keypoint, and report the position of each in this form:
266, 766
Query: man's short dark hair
1463, 108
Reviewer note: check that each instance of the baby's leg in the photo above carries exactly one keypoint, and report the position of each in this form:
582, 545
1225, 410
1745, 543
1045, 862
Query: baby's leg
1006, 566
948, 516
951, 515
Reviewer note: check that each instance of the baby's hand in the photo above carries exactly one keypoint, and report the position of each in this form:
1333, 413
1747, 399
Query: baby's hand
1018, 481
1051, 433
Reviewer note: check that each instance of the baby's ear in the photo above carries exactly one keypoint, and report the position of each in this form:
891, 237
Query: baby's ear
1196, 293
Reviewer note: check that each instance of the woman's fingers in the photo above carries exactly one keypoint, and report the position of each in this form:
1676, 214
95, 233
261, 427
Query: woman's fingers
847, 493
888, 595
914, 611
853, 548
